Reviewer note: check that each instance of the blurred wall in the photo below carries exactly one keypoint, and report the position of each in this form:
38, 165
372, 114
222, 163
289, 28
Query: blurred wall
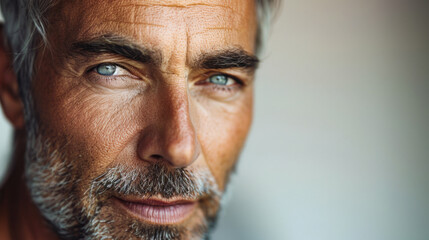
339, 148
340, 142
5, 145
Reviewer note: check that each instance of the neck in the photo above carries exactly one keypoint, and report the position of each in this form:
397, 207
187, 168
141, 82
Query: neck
19, 217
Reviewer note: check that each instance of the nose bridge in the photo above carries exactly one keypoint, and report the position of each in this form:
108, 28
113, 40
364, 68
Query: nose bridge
177, 113
178, 138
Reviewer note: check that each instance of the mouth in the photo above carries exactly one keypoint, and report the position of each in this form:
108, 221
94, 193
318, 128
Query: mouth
159, 211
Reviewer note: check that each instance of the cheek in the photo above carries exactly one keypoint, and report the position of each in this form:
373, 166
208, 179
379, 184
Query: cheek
222, 133
97, 127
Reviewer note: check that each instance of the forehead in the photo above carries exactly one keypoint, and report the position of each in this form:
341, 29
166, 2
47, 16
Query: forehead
185, 25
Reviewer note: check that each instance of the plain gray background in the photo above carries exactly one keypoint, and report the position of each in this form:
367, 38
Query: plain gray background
339, 148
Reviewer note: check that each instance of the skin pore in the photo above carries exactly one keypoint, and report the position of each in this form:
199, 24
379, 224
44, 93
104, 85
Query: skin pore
135, 102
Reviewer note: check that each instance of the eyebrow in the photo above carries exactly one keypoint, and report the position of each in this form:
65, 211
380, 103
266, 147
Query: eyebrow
229, 58
234, 57
116, 45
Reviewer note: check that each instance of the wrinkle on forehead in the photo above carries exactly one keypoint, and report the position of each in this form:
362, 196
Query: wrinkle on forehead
137, 13
131, 14
183, 5
229, 30
156, 14
135, 23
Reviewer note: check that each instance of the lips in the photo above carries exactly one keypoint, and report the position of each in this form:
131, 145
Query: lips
158, 211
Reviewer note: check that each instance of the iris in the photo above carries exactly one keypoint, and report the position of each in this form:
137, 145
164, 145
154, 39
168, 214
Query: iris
106, 69
219, 79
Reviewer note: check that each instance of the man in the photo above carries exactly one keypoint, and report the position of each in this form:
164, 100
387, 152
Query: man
129, 115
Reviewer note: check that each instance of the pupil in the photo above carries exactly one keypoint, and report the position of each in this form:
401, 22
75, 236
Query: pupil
106, 69
219, 79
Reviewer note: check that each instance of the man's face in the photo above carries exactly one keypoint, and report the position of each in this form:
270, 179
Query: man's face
142, 108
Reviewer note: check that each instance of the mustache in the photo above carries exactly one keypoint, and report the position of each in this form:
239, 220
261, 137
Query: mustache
155, 179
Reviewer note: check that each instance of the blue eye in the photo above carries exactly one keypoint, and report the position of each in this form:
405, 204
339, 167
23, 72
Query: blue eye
106, 69
220, 80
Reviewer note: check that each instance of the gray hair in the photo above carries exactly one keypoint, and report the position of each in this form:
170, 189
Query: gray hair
25, 31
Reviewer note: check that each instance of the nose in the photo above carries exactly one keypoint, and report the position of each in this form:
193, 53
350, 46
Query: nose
171, 137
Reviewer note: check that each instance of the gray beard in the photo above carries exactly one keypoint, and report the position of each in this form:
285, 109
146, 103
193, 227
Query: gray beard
53, 181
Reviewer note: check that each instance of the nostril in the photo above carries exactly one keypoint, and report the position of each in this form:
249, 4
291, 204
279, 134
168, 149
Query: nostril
156, 157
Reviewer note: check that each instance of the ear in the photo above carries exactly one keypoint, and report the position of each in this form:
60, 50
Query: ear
10, 99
